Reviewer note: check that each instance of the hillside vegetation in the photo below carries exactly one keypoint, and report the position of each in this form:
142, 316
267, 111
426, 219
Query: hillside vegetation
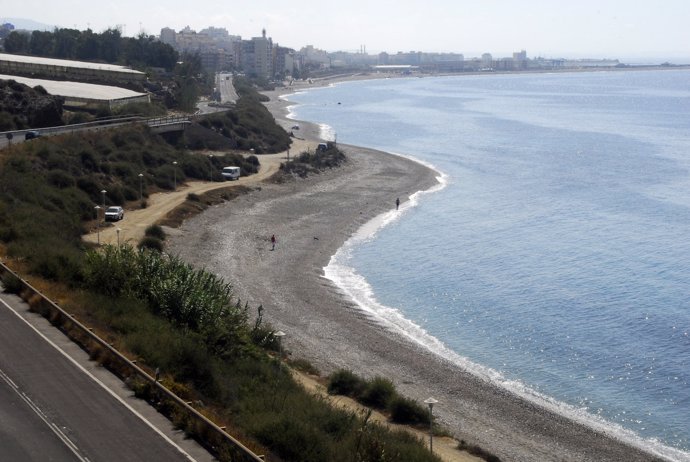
249, 125
50, 186
22, 107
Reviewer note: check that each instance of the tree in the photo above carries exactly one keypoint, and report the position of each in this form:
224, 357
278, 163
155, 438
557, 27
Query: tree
88, 46
111, 44
42, 43
188, 75
17, 42
66, 43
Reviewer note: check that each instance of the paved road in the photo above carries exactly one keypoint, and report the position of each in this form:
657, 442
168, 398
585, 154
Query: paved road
53, 409
17, 417
226, 88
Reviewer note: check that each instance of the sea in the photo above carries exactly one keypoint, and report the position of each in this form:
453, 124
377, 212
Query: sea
554, 256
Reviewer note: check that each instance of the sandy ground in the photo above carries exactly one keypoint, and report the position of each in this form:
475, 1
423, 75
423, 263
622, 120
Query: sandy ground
311, 219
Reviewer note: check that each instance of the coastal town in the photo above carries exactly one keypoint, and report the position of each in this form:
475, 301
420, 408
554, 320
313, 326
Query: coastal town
262, 56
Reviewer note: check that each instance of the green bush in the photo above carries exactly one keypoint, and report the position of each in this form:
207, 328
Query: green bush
378, 393
345, 382
407, 411
11, 283
151, 243
292, 440
478, 451
61, 179
189, 298
155, 231
307, 162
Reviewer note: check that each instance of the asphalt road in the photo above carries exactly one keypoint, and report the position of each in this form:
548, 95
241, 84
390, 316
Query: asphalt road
17, 417
54, 409
226, 88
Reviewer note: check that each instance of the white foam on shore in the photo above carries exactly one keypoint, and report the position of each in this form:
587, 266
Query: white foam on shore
326, 132
356, 287
290, 113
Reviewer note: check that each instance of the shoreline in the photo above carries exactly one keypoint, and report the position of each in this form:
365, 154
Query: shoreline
312, 219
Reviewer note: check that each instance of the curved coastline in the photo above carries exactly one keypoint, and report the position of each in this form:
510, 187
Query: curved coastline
332, 331
344, 277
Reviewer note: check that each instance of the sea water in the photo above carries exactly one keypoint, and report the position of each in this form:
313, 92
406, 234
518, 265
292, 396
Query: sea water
556, 258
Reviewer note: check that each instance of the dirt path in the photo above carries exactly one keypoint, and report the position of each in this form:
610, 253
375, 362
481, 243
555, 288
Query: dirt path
136, 221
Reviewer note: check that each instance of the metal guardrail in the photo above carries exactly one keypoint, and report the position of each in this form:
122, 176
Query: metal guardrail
217, 439
103, 122
160, 121
19, 135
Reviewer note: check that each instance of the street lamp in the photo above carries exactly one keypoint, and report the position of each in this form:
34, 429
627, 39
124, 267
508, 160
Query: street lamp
210, 172
280, 334
98, 225
431, 402
175, 176
141, 187
103, 193
118, 237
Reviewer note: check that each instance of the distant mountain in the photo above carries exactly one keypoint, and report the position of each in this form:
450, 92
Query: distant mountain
26, 24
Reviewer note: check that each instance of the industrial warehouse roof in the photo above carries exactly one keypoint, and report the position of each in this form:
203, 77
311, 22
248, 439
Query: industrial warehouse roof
76, 89
66, 63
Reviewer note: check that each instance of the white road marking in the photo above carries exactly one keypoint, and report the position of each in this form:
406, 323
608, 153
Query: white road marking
37, 410
95, 379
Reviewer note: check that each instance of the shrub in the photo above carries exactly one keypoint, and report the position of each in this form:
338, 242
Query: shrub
293, 440
477, 451
155, 231
345, 382
304, 366
152, 243
11, 283
408, 411
378, 393
61, 179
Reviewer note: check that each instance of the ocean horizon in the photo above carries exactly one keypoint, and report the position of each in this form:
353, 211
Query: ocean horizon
551, 259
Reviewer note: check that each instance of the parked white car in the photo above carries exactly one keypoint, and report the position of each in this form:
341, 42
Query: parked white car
230, 173
114, 213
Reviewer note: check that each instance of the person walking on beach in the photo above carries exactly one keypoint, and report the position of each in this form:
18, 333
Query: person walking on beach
397, 203
273, 242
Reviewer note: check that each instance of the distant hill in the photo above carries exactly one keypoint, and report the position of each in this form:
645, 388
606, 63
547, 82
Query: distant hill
26, 24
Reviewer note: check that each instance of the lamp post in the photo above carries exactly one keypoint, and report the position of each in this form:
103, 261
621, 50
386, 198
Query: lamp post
98, 225
175, 176
280, 334
210, 172
431, 402
103, 193
118, 237
141, 187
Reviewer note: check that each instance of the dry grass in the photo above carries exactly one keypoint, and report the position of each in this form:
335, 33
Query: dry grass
190, 208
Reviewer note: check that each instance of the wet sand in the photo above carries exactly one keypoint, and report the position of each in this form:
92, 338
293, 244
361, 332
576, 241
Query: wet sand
311, 219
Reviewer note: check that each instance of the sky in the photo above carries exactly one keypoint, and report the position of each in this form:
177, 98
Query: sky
628, 29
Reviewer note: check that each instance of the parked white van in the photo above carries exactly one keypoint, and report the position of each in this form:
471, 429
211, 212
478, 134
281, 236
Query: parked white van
231, 173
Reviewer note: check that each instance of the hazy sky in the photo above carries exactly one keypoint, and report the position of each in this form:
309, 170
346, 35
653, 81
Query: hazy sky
551, 28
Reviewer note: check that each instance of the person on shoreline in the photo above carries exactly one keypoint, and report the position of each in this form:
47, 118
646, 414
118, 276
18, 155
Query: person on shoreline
273, 242
397, 203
